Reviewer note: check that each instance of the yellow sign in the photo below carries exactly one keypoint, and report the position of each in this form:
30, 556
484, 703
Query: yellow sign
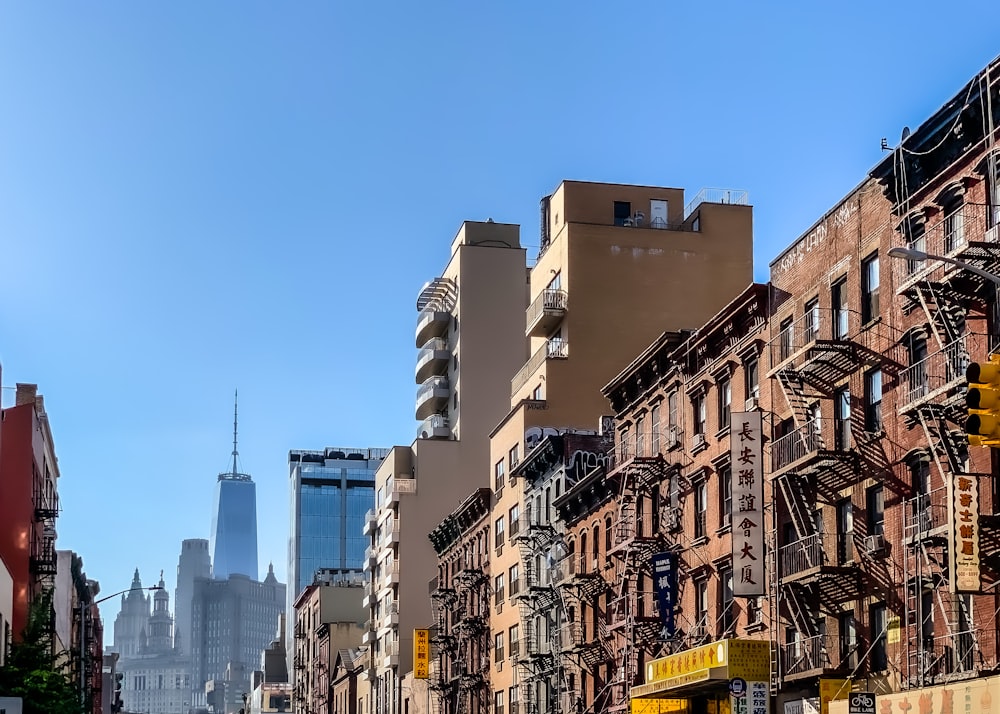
892, 631
421, 653
659, 706
722, 660
831, 690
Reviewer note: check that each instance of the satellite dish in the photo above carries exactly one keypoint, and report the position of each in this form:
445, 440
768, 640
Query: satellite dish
906, 134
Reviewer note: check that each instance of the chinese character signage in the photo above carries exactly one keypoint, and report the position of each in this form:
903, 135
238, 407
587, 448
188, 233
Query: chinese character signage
665, 581
747, 457
965, 533
421, 653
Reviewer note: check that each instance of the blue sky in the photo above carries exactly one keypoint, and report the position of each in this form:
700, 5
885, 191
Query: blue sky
198, 197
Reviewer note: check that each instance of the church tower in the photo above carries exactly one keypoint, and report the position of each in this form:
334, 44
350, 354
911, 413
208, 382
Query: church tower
161, 625
130, 625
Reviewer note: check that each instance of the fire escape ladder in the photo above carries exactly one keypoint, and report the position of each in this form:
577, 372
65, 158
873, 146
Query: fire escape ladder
794, 388
793, 489
801, 618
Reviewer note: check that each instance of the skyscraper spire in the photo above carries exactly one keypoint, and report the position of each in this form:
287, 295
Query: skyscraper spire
236, 402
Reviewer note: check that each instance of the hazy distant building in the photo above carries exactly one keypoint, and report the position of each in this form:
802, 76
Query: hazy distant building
331, 491
232, 623
194, 562
234, 523
156, 676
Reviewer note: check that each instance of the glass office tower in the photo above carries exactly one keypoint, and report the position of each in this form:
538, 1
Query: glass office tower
234, 527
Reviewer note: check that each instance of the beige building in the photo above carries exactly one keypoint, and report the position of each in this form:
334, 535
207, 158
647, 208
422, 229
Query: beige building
470, 335
618, 265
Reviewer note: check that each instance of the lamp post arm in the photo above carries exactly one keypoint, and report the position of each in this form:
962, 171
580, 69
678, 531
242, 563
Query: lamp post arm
995, 279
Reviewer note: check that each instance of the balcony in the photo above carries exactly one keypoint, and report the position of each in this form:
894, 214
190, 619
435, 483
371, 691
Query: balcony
961, 234
639, 456
390, 532
434, 427
431, 323
46, 507
371, 558
545, 313
371, 523
552, 349
390, 574
43, 558
432, 396
390, 652
574, 568
369, 637
809, 657
432, 359
723, 196
937, 374
925, 517
804, 451
821, 347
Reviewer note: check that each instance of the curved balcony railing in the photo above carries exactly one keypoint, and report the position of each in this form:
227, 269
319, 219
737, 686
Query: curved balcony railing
552, 349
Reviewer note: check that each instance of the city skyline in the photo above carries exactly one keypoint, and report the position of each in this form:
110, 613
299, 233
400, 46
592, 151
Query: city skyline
167, 440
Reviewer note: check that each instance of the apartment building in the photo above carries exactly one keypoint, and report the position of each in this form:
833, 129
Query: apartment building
609, 279
462, 645
470, 335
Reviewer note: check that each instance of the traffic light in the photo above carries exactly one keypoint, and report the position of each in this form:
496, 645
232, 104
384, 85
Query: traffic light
983, 402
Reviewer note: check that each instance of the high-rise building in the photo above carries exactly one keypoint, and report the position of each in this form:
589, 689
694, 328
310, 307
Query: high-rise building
331, 491
232, 623
470, 333
234, 523
194, 562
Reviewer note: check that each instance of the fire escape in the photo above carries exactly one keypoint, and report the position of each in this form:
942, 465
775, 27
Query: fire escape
632, 622
470, 617
933, 400
820, 358
445, 648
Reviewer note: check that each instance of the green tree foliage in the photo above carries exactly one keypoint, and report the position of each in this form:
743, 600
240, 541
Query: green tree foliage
34, 673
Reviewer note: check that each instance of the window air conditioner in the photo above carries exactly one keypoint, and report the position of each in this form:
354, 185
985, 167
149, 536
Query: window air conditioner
698, 441
874, 544
752, 404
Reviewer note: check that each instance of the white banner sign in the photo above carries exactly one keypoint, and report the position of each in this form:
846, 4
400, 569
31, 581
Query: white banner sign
746, 455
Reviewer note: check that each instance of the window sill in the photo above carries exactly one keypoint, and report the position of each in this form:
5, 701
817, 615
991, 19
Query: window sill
754, 627
724, 529
701, 540
699, 448
723, 432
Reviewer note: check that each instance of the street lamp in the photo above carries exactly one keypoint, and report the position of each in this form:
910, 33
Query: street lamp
83, 635
914, 255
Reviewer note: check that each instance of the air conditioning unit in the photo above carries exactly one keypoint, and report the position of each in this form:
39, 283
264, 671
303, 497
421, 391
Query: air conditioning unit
672, 438
697, 441
675, 520
752, 404
993, 234
595, 565
874, 544
699, 632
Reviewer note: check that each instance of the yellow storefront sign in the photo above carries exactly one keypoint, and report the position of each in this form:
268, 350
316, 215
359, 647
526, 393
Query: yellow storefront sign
421, 653
722, 660
831, 690
659, 706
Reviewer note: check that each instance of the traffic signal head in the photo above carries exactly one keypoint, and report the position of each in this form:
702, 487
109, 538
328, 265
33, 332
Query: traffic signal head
983, 402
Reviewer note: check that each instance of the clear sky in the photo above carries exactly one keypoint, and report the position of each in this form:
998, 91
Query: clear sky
197, 197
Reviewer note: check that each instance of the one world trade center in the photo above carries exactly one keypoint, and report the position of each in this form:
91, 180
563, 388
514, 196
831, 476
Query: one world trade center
234, 523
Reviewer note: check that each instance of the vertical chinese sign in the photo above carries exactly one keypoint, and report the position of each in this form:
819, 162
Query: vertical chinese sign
746, 455
964, 539
421, 653
665, 580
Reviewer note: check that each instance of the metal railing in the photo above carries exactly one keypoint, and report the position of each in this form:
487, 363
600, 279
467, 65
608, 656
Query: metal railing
431, 424
796, 445
426, 353
645, 445
726, 196
816, 324
552, 349
948, 237
548, 300
802, 554
430, 386
936, 371
808, 654
925, 513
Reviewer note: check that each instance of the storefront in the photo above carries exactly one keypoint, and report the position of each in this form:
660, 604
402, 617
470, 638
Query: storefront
725, 677
970, 696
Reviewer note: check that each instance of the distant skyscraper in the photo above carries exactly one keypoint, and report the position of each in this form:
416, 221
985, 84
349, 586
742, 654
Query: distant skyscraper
194, 562
234, 523
331, 491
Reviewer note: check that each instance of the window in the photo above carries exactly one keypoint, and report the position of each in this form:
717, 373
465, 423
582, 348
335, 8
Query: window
513, 456
842, 419
848, 639
498, 474
700, 509
512, 699
640, 436
993, 188
537, 394
838, 300
514, 639
515, 579
725, 392
726, 610
954, 225
869, 288
623, 213
607, 534
701, 604
672, 410
514, 518
698, 412
785, 334
498, 650
873, 401
920, 506
916, 374
725, 495
755, 612
876, 626
625, 443
498, 532
811, 328
498, 591
875, 505
654, 426
914, 232
498, 702
845, 532
556, 282
751, 375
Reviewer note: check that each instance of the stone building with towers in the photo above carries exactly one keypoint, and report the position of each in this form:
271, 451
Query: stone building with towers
157, 676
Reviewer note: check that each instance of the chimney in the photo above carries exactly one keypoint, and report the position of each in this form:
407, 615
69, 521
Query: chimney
26, 393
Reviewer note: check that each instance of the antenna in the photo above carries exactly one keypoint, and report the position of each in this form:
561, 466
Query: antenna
236, 398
